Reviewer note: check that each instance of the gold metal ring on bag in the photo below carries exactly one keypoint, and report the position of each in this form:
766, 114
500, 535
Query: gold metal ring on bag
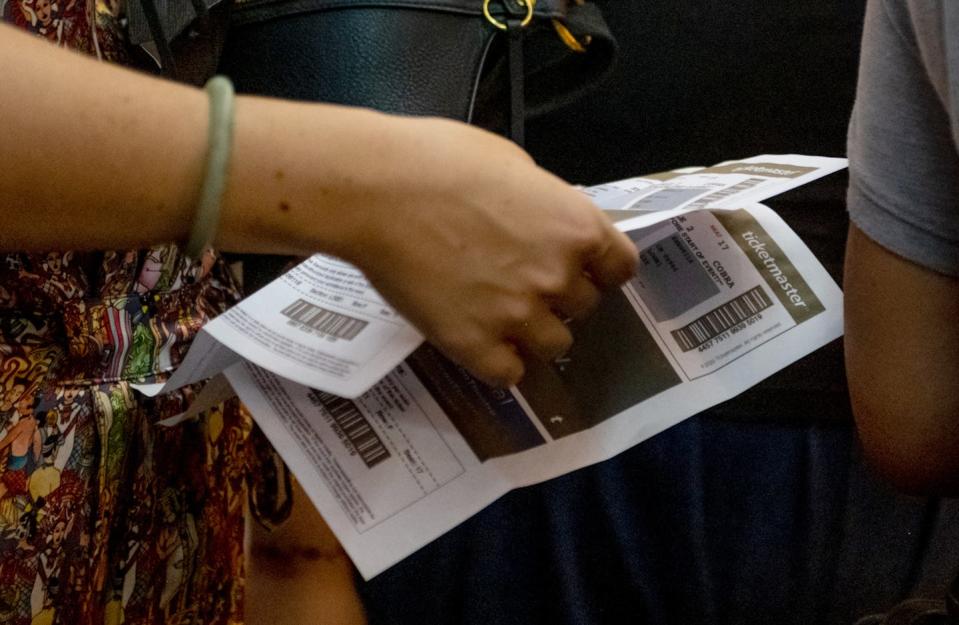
529, 4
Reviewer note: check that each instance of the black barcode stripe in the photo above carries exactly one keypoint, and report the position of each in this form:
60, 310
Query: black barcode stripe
722, 318
325, 321
715, 196
347, 416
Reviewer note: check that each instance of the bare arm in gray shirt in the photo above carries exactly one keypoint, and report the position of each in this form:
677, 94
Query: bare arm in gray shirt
902, 290
902, 354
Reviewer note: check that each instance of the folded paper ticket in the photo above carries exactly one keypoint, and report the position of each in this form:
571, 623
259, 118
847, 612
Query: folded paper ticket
396, 445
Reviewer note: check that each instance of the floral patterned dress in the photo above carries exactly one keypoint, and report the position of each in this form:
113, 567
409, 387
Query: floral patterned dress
107, 516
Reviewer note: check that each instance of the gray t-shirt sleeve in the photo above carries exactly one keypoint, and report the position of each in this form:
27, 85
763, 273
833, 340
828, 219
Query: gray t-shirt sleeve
903, 162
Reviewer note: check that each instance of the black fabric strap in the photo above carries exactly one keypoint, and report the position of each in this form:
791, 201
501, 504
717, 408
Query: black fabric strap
159, 38
517, 75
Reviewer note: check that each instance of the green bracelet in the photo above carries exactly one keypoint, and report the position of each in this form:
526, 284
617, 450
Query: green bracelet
220, 137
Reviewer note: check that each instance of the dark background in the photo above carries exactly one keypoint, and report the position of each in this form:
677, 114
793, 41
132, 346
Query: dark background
700, 81
760, 510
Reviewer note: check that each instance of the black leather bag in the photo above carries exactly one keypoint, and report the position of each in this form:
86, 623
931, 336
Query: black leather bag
420, 57
451, 58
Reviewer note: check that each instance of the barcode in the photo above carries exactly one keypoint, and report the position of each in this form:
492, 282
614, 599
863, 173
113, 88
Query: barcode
325, 321
355, 427
720, 319
716, 196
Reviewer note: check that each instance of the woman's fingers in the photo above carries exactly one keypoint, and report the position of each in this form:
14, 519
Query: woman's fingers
484, 251
578, 300
543, 336
496, 364
614, 263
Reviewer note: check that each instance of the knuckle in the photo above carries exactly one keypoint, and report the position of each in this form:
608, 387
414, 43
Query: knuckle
554, 283
587, 234
579, 300
518, 311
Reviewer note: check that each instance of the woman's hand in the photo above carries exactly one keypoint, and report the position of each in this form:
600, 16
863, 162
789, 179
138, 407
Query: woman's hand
482, 250
474, 244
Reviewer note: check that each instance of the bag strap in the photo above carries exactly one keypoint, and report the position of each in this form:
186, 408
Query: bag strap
517, 80
180, 39
565, 57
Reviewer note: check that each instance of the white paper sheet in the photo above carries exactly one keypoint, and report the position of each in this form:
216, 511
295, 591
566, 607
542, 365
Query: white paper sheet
725, 295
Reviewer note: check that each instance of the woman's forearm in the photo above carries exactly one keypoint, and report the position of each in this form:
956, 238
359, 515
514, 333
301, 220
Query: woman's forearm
98, 157
93, 156
478, 247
